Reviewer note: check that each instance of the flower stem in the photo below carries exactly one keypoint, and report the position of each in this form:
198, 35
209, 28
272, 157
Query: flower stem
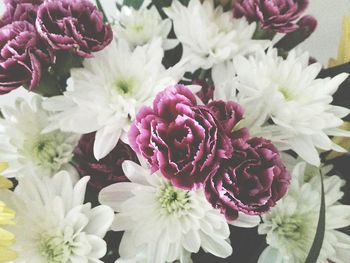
99, 6
202, 74
320, 232
48, 86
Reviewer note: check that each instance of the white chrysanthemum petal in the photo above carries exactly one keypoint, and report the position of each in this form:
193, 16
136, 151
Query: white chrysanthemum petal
246, 221
339, 216
98, 247
219, 248
158, 251
76, 218
206, 227
134, 172
191, 241
304, 147
126, 246
79, 191
115, 194
271, 255
121, 223
332, 188
106, 139
101, 218
222, 75
338, 132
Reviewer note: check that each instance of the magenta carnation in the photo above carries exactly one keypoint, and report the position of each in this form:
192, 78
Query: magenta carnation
74, 25
277, 15
181, 139
227, 113
20, 10
106, 171
21, 57
252, 181
206, 93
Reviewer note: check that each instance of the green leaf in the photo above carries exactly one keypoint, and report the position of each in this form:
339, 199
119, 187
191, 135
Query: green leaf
48, 86
99, 6
65, 61
136, 4
320, 232
291, 40
261, 33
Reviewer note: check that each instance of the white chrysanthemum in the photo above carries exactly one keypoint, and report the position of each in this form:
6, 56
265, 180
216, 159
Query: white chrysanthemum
163, 223
106, 94
291, 225
141, 26
210, 36
52, 223
25, 147
285, 102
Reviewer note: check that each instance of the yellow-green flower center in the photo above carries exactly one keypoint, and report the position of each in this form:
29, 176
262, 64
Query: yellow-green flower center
173, 200
137, 27
125, 86
287, 94
49, 150
54, 248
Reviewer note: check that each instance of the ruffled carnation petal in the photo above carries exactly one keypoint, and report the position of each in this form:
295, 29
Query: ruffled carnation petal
73, 25
252, 181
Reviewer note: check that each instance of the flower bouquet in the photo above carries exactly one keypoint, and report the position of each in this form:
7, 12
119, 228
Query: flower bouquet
171, 131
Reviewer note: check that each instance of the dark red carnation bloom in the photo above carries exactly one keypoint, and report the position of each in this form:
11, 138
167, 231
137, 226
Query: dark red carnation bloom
181, 139
206, 93
22, 55
277, 15
252, 181
227, 113
20, 10
108, 170
74, 25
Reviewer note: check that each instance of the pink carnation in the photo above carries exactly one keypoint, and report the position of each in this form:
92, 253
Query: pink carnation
181, 139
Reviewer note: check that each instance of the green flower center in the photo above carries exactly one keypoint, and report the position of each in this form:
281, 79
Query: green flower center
173, 200
293, 234
54, 249
125, 86
47, 150
287, 94
137, 28
291, 228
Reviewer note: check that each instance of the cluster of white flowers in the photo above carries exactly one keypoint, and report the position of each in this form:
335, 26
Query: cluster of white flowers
285, 101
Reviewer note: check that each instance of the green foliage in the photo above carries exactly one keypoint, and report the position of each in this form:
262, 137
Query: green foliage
320, 232
133, 3
99, 6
